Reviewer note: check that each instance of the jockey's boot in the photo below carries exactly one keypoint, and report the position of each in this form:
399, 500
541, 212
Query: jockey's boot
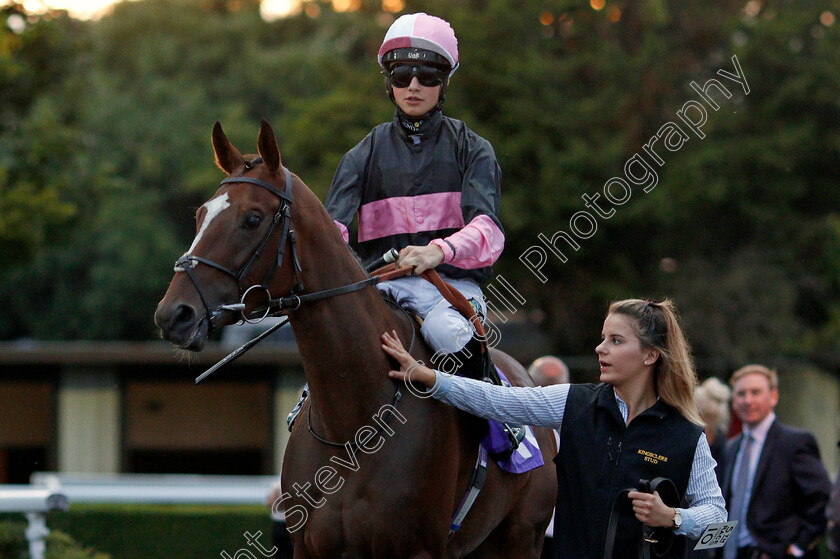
476, 364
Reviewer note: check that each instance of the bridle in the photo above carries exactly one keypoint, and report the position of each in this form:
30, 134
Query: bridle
282, 219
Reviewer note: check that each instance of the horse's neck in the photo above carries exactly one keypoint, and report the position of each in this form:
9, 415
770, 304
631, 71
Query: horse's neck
339, 337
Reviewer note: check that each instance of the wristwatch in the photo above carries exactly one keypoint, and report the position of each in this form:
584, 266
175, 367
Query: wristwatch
677, 519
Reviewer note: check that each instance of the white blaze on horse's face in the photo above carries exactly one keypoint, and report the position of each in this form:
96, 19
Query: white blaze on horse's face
214, 207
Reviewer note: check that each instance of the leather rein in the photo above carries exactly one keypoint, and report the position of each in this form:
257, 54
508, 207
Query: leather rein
284, 305
282, 219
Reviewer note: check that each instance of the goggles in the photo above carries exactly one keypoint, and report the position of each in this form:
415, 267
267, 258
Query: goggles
428, 76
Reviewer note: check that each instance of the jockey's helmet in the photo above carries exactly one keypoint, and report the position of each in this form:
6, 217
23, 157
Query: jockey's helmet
419, 39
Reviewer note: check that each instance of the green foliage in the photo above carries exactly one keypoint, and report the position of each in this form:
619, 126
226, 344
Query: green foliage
105, 153
13, 544
143, 531
12, 540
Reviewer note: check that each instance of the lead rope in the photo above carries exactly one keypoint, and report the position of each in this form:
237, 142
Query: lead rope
649, 538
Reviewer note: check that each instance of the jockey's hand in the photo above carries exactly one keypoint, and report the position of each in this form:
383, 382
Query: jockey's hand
650, 510
420, 258
411, 370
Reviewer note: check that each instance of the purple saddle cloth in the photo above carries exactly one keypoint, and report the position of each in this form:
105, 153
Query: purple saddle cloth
523, 459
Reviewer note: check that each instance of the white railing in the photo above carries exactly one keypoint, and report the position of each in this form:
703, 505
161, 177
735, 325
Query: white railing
34, 503
54, 491
171, 489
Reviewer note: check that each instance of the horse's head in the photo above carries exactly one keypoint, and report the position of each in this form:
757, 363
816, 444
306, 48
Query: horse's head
241, 247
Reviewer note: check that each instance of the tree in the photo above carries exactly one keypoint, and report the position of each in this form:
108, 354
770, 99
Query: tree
106, 153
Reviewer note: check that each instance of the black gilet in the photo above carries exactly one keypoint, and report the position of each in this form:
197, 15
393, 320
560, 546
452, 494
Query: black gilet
599, 456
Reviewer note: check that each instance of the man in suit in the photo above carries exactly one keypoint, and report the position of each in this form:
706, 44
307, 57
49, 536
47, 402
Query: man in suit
774, 481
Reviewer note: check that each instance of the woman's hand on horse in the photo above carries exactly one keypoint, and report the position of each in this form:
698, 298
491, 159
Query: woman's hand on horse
650, 510
411, 370
420, 258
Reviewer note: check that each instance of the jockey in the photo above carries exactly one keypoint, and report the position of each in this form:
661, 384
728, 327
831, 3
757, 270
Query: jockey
427, 185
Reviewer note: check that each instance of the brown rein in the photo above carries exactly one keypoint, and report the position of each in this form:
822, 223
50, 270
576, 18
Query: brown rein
452, 295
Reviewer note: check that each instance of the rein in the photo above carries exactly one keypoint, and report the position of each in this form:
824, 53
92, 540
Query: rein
293, 302
290, 303
283, 218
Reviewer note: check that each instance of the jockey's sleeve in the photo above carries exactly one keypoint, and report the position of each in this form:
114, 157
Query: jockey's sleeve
345, 194
478, 245
480, 242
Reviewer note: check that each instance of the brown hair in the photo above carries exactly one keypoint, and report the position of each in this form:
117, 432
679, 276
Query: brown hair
771, 374
657, 326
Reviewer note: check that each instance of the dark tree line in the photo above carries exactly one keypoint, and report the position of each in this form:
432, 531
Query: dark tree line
105, 153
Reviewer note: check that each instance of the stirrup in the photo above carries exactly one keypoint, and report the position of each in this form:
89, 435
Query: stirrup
515, 434
290, 420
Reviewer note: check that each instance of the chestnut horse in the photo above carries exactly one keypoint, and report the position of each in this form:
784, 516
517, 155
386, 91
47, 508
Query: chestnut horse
366, 474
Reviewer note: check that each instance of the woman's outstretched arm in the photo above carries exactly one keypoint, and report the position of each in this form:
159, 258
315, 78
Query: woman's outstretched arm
537, 406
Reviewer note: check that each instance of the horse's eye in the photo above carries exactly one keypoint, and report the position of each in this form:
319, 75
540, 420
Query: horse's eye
253, 221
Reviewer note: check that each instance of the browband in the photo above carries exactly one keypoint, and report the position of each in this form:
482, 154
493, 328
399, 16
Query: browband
287, 196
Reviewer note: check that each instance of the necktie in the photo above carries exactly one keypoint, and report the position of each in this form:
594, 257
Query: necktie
739, 491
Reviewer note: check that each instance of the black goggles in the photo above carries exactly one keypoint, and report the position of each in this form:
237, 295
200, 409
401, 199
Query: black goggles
428, 76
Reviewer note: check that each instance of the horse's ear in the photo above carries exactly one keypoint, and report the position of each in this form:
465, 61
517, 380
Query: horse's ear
267, 146
228, 157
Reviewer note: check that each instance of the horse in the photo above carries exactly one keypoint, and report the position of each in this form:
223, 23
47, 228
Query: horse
372, 469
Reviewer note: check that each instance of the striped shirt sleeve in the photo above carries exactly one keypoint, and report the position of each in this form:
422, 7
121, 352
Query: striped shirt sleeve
706, 503
477, 245
539, 406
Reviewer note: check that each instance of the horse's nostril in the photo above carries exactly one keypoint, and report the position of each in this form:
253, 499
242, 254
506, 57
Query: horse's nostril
184, 314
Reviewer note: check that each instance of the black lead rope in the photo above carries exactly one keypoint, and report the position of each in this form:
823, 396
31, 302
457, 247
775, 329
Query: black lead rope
652, 541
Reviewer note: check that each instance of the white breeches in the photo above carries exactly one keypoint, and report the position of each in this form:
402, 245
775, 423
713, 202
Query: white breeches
444, 328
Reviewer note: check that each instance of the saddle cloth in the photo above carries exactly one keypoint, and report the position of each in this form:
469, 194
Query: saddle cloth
525, 458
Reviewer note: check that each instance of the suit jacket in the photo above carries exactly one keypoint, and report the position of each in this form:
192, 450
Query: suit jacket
790, 490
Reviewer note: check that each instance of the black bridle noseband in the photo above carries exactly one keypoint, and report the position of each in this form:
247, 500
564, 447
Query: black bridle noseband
283, 218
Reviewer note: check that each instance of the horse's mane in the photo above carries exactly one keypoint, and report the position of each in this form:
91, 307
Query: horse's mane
358, 260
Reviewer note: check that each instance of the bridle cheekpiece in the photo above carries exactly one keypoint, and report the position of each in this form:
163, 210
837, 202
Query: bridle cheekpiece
283, 218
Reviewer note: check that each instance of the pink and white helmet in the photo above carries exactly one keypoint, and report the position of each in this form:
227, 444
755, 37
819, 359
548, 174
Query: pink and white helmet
412, 36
